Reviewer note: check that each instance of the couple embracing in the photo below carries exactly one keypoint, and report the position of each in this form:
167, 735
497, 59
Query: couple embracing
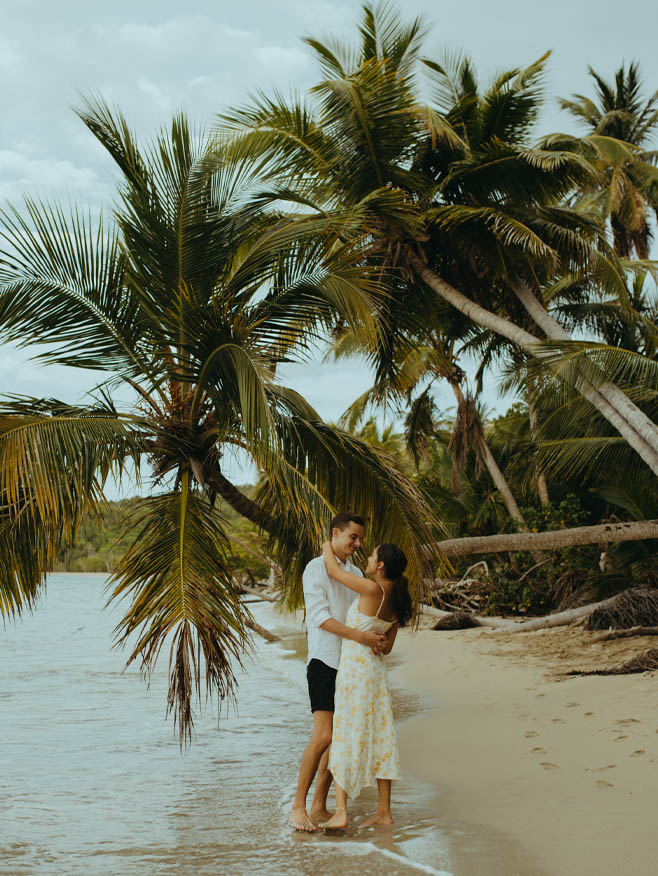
351, 622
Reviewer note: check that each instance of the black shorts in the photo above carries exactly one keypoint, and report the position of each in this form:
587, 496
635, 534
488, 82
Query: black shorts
321, 685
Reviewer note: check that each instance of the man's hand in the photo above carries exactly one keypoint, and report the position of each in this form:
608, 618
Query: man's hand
376, 641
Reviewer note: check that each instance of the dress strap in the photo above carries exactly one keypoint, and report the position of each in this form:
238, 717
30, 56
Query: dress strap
382, 602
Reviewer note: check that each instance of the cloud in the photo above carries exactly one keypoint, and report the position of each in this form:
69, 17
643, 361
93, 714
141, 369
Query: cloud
201, 81
21, 172
280, 57
12, 60
180, 33
154, 93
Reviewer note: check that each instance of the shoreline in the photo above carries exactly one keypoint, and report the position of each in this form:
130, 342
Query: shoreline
536, 774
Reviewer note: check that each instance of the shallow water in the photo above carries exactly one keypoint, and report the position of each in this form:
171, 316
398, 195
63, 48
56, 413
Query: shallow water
92, 780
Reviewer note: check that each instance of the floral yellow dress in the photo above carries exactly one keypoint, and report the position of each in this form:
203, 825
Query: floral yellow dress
364, 746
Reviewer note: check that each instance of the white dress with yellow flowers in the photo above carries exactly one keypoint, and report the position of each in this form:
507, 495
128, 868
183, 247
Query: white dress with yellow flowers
364, 747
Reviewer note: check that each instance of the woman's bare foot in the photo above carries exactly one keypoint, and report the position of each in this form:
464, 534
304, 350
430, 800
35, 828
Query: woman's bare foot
300, 821
378, 818
337, 821
318, 816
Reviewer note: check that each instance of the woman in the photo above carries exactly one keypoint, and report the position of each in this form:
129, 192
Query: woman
364, 746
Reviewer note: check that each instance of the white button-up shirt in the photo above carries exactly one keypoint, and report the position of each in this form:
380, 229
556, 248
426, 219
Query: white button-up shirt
325, 598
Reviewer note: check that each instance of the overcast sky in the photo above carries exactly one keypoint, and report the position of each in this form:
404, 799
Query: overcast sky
155, 57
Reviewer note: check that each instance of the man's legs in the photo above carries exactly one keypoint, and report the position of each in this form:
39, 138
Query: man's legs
313, 753
318, 811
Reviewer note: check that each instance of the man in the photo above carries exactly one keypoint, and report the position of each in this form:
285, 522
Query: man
327, 602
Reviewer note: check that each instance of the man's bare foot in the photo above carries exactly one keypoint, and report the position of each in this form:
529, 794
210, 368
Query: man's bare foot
300, 821
337, 821
317, 816
378, 818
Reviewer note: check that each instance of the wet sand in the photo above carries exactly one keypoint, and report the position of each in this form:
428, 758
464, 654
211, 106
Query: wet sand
537, 774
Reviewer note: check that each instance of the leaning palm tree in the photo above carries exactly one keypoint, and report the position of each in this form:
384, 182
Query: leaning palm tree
190, 299
629, 185
454, 199
423, 364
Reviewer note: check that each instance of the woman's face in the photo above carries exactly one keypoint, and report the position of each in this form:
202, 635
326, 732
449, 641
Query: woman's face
373, 561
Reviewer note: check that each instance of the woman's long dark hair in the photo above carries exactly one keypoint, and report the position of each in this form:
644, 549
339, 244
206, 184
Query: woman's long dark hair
395, 563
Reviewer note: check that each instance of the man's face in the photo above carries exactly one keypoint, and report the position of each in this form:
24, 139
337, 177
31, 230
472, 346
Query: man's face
346, 541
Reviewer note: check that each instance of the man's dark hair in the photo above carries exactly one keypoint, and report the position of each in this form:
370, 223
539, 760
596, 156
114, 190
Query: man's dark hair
340, 521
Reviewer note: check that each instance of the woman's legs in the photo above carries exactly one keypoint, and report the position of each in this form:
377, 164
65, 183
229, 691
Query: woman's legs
383, 814
340, 818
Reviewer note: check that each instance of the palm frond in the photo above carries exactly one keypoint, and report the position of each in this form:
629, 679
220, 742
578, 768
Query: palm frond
419, 425
54, 460
595, 362
345, 471
61, 284
177, 579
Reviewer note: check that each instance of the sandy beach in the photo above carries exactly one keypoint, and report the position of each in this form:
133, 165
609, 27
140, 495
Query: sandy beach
537, 774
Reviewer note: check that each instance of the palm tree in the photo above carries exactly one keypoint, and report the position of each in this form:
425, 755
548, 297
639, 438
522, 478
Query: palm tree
192, 298
422, 364
450, 200
629, 184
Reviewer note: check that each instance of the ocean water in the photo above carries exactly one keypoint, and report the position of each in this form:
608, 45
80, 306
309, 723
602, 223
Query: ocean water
93, 783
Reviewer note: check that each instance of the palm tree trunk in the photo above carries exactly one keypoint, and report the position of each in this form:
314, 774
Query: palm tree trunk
494, 470
647, 449
555, 540
645, 428
244, 506
542, 486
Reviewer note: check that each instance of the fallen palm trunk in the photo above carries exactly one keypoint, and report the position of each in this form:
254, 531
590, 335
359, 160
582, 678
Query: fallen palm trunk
559, 619
610, 607
265, 634
556, 540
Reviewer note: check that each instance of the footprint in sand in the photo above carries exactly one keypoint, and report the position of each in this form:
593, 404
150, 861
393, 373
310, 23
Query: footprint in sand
610, 766
549, 766
627, 721
530, 734
603, 784
587, 714
617, 738
571, 705
638, 753
541, 695
559, 721
538, 749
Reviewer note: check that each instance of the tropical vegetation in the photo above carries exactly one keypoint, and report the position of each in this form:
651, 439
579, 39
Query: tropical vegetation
405, 212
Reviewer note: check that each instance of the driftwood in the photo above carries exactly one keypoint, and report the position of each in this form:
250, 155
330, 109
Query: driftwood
647, 662
555, 540
624, 634
265, 634
467, 594
255, 591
